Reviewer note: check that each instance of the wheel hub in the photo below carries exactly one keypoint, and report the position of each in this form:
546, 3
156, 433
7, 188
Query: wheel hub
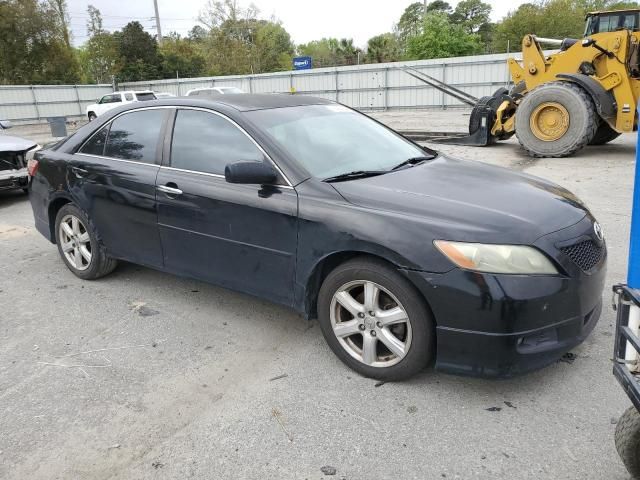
370, 323
549, 121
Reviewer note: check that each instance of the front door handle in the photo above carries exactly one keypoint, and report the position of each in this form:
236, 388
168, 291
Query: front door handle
170, 191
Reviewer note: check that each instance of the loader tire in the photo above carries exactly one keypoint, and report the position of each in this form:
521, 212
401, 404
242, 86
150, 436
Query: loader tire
604, 134
556, 119
627, 438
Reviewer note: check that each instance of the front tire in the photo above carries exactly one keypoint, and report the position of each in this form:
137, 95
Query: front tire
79, 246
627, 438
375, 320
556, 119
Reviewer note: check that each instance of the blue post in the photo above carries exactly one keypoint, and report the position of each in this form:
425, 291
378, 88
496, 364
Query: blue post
633, 275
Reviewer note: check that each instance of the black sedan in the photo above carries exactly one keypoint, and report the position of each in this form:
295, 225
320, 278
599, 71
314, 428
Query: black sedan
404, 255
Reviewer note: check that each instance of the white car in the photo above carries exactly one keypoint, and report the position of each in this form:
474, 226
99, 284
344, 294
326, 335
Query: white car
204, 92
15, 153
116, 99
160, 95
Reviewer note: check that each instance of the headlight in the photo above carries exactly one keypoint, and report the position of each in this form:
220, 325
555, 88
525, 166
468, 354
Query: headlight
514, 259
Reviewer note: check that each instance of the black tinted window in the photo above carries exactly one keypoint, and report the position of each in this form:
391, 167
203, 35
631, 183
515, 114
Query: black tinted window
134, 136
145, 96
95, 145
204, 142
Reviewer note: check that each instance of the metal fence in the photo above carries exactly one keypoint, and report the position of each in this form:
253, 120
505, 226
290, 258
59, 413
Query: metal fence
366, 87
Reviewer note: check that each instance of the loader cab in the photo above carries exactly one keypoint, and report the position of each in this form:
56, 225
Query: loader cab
611, 21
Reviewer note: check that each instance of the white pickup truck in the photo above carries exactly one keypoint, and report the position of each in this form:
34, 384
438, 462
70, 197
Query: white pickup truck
116, 99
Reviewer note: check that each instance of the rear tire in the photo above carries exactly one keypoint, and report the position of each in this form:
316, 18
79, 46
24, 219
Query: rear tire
627, 438
79, 245
604, 134
394, 338
576, 131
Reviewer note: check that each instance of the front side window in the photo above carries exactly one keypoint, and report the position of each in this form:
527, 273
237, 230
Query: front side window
135, 136
329, 140
95, 145
205, 142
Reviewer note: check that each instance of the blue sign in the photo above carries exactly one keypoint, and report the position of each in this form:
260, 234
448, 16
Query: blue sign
633, 277
302, 63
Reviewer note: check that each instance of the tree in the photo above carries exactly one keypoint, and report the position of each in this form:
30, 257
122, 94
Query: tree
471, 14
273, 48
33, 48
181, 57
553, 19
438, 6
383, 48
138, 54
411, 22
441, 38
59, 7
99, 55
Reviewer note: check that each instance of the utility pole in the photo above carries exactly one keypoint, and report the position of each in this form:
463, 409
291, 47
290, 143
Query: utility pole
155, 5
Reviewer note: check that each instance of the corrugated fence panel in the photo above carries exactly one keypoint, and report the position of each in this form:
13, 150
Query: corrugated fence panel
367, 87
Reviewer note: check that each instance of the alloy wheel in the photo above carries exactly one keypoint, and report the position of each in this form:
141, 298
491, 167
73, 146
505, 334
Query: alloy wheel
370, 323
75, 242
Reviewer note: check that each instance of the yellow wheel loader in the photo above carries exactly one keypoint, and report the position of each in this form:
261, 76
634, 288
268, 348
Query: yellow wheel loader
585, 94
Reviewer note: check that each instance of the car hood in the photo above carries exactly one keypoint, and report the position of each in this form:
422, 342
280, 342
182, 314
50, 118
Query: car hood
469, 201
10, 143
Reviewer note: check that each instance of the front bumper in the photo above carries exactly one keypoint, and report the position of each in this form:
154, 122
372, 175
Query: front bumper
14, 179
505, 325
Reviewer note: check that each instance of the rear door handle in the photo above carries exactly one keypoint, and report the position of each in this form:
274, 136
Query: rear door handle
169, 190
79, 172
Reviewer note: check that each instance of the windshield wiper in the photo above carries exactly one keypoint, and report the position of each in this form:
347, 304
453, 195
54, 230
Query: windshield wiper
355, 175
413, 161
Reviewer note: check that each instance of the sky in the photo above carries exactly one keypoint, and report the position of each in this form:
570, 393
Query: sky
304, 20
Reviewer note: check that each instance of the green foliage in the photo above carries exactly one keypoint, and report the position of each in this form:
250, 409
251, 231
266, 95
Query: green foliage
438, 6
33, 48
471, 14
551, 19
441, 38
138, 55
383, 48
411, 22
329, 52
181, 56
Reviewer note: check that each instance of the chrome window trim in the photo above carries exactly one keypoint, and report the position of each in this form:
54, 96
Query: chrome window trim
182, 107
118, 160
215, 175
258, 146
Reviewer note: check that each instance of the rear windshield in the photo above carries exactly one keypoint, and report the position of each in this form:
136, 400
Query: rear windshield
145, 96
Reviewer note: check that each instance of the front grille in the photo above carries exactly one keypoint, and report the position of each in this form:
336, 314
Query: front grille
586, 254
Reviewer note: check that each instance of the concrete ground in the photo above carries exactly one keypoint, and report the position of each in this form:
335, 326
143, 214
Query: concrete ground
146, 375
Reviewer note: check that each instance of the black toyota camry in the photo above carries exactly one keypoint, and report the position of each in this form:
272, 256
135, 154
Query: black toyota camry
404, 255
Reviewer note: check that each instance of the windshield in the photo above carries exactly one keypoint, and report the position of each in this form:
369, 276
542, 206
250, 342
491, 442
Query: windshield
330, 140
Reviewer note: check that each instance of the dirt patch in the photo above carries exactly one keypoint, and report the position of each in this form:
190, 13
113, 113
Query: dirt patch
13, 231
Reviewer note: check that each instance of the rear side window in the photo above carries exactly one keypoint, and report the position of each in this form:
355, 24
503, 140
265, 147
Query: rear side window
145, 96
128, 97
205, 142
95, 145
135, 136
115, 98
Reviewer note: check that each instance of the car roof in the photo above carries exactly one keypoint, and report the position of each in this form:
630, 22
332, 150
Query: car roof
245, 102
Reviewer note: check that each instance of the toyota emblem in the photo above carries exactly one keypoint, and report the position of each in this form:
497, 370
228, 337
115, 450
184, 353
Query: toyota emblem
597, 228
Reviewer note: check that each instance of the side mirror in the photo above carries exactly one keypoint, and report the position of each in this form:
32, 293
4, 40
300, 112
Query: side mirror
4, 124
587, 42
256, 173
